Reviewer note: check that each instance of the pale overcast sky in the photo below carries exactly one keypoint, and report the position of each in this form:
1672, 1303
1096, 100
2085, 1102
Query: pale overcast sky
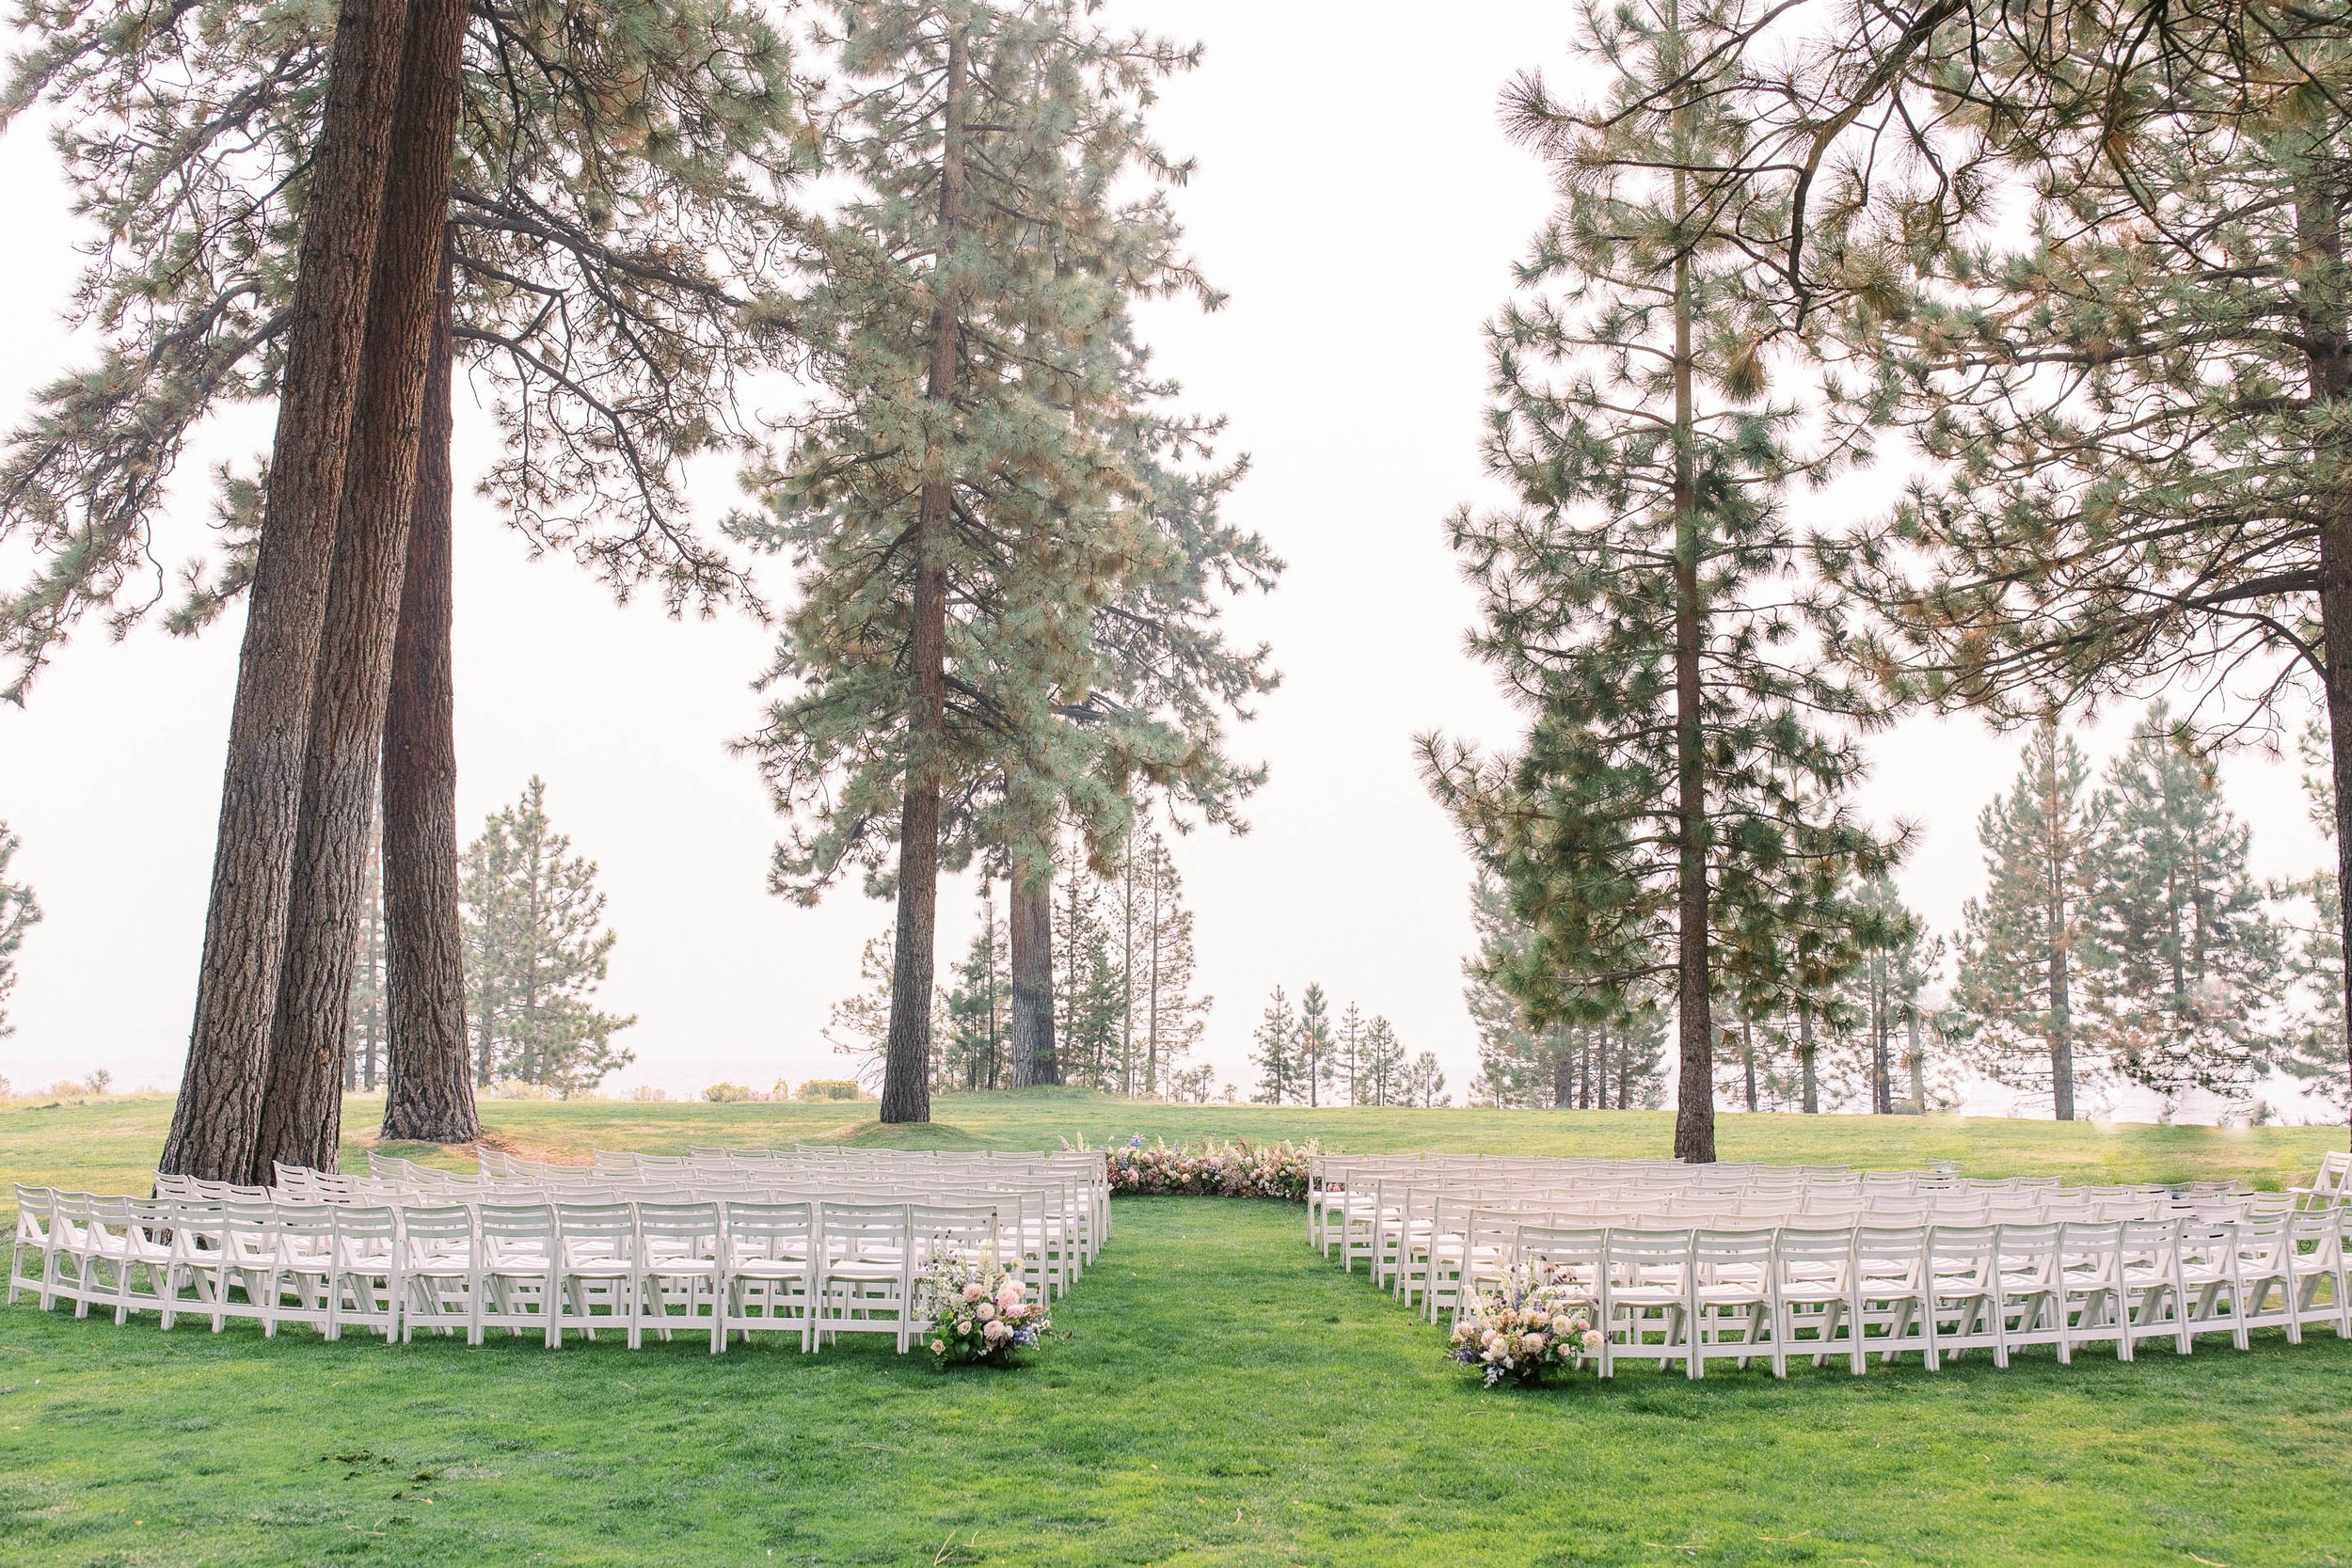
1358, 201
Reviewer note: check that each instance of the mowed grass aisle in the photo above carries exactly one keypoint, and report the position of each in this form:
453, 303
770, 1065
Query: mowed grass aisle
1221, 1396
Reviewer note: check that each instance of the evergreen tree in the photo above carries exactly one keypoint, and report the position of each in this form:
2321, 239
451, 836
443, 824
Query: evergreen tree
1424, 1084
1680, 790
1313, 1042
536, 951
1382, 1081
1348, 1055
2131, 391
1277, 1053
977, 1005
2313, 1054
963, 499
1091, 1005
1886, 991
370, 1029
2015, 1001
19, 914
2180, 958
255, 246
1173, 1018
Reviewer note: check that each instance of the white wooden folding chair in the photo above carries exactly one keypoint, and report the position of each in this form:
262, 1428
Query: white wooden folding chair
1731, 1289
33, 1206
2321, 1263
1819, 1293
864, 1264
678, 1253
1893, 1281
595, 1272
515, 1270
1645, 1292
1966, 1285
365, 1287
439, 1269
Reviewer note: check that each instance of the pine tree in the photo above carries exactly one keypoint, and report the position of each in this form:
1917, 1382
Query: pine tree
977, 1005
1348, 1055
1680, 789
2180, 958
536, 951
1277, 1053
2015, 999
1091, 1005
1886, 992
1383, 1080
1173, 1018
2313, 1052
19, 914
253, 247
963, 499
1313, 1041
369, 1032
1424, 1082
2132, 392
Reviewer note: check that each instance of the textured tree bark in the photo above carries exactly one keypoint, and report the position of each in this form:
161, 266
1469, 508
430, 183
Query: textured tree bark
302, 1110
2062, 1010
2327, 332
907, 1054
1563, 1066
216, 1123
1694, 1107
1034, 1060
430, 1096
1809, 1065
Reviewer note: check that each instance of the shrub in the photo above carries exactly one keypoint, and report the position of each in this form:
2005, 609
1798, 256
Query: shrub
728, 1094
1240, 1169
831, 1088
515, 1088
647, 1094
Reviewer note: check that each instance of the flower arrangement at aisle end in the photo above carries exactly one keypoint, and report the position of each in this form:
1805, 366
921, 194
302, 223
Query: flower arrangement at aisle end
1239, 1169
1530, 1324
977, 1310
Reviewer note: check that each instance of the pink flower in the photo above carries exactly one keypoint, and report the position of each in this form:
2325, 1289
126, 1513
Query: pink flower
1533, 1345
1592, 1339
972, 1292
994, 1332
985, 1311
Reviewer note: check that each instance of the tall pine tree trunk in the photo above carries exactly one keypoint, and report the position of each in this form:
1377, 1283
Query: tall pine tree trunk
1034, 1060
2061, 1009
302, 1111
1808, 1066
1918, 1067
1563, 1075
216, 1123
2327, 333
430, 1096
907, 1054
1694, 1113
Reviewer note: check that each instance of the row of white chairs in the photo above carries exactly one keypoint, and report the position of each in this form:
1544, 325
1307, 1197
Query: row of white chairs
1688, 1296
1402, 1230
815, 1268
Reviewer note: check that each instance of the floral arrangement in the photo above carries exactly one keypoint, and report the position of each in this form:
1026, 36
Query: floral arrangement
1524, 1328
977, 1310
1210, 1170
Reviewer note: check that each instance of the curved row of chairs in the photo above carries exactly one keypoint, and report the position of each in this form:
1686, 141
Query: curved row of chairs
1765, 1263
812, 1249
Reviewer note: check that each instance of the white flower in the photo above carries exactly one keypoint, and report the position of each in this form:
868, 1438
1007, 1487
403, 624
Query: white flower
1592, 1339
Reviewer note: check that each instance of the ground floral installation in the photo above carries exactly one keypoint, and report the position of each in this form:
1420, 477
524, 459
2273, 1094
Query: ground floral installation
1523, 1328
978, 1312
1241, 1169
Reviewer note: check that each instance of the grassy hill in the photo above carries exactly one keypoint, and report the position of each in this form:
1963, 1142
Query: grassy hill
110, 1145
1219, 1395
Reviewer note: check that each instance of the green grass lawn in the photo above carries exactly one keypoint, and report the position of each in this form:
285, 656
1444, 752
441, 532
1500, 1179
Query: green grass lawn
1219, 1395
